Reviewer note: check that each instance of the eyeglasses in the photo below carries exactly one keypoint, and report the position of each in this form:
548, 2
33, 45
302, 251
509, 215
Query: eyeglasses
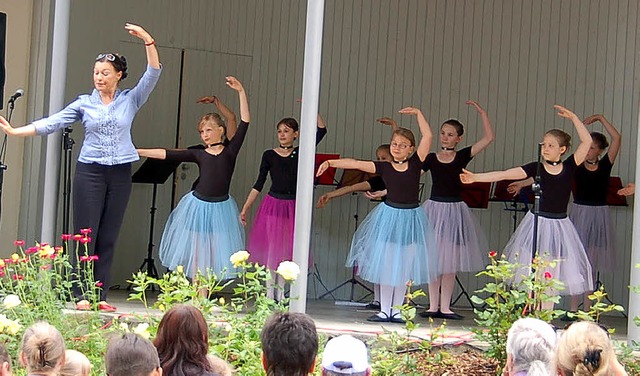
109, 57
399, 146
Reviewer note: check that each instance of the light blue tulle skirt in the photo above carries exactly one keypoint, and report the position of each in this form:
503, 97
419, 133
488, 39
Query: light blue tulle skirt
393, 246
202, 235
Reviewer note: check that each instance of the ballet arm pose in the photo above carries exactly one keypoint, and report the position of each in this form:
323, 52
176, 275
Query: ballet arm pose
233, 83
358, 187
425, 131
347, 164
616, 138
489, 135
150, 44
388, 121
515, 187
585, 137
227, 114
628, 190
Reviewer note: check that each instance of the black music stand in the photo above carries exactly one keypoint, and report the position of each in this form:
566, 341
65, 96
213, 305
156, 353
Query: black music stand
512, 203
153, 171
476, 196
350, 177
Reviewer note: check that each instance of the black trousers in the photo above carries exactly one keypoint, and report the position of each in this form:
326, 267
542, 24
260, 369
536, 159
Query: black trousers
100, 197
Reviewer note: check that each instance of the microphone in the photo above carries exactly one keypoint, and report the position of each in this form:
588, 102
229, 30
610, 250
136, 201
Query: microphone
16, 95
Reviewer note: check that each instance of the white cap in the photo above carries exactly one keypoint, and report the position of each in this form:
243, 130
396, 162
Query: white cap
346, 355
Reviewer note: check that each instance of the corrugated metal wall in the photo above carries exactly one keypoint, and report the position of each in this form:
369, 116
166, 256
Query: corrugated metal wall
517, 58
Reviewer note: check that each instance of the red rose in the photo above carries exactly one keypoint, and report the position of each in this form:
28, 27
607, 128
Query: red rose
18, 243
548, 275
493, 254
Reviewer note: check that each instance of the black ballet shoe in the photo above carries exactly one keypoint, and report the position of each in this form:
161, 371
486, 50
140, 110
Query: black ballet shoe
373, 306
397, 319
450, 316
429, 314
376, 318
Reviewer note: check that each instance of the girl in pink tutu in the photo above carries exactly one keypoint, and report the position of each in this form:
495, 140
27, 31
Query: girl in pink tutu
271, 237
461, 244
557, 236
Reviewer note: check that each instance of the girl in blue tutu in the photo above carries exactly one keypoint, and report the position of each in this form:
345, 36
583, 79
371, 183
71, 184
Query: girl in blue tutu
271, 237
204, 230
389, 246
461, 244
557, 236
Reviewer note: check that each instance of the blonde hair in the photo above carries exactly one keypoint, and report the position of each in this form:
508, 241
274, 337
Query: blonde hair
214, 118
585, 349
43, 348
75, 364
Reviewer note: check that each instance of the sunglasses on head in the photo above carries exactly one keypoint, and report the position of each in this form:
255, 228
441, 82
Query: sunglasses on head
109, 57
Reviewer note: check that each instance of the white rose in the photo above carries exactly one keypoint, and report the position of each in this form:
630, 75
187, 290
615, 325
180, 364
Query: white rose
141, 330
289, 270
239, 258
11, 301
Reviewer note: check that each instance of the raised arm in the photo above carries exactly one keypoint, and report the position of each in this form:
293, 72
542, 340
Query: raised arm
489, 136
616, 138
227, 114
585, 137
149, 44
348, 164
388, 121
25, 131
516, 173
153, 153
425, 131
233, 83
358, 187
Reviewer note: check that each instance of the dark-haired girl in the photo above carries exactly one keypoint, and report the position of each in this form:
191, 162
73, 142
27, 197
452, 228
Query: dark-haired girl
204, 230
461, 242
557, 236
271, 237
102, 182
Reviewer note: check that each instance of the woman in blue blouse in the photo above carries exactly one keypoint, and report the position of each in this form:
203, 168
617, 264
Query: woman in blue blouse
102, 182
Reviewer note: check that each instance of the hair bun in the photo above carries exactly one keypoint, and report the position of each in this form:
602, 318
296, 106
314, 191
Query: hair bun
592, 359
123, 66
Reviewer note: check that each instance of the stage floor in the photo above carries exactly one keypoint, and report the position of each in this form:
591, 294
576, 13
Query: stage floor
345, 317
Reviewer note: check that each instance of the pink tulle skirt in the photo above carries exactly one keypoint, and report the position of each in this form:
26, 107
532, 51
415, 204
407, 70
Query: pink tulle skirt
271, 237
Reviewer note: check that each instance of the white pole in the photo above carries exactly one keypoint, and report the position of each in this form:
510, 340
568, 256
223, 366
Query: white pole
56, 102
308, 123
633, 331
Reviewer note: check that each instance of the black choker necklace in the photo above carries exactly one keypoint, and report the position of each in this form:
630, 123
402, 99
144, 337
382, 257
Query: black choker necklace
553, 163
592, 163
399, 162
448, 149
286, 147
216, 144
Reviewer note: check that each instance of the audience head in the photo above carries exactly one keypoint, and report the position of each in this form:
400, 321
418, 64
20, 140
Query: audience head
219, 366
5, 361
131, 355
530, 348
75, 364
289, 344
183, 341
585, 349
345, 355
42, 349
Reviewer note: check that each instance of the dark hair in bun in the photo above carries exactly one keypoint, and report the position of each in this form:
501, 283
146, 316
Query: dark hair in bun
118, 61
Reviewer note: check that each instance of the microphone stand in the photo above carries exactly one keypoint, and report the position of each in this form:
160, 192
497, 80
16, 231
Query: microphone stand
3, 149
67, 145
537, 191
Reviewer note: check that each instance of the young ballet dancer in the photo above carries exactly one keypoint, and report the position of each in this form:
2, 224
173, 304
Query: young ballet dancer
461, 244
204, 229
589, 211
557, 236
389, 246
271, 237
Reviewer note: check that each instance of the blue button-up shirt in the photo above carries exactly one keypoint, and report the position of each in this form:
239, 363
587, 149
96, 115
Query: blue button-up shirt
107, 139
